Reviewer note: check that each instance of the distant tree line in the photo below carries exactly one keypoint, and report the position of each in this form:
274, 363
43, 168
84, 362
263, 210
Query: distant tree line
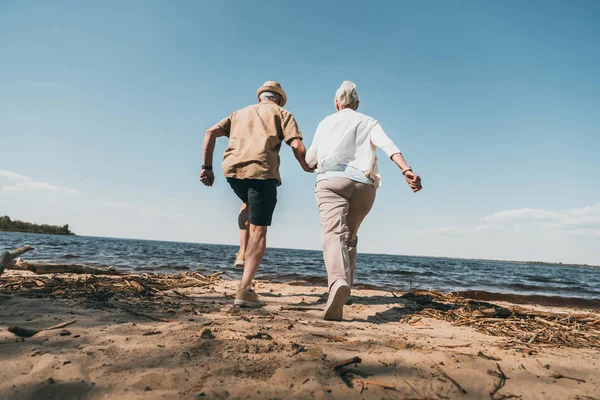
19, 226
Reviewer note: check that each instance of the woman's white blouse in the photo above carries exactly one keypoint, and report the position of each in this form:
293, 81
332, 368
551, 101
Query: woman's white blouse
350, 138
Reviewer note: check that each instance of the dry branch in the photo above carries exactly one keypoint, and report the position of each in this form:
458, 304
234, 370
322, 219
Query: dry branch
27, 332
561, 376
330, 337
501, 382
61, 325
523, 325
139, 314
7, 257
51, 268
353, 360
382, 385
458, 386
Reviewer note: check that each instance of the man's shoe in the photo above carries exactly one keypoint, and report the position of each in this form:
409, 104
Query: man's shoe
239, 260
247, 298
334, 309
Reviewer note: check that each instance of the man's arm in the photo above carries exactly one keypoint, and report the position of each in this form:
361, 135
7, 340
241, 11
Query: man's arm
207, 177
311, 154
300, 154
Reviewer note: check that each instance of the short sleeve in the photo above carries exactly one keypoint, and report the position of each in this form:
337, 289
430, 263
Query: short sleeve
290, 128
225, 124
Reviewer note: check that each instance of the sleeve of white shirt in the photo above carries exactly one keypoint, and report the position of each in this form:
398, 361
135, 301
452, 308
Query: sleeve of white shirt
381, 140
311, 154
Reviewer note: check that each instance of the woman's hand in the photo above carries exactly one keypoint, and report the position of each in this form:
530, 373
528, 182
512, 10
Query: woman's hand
413, 180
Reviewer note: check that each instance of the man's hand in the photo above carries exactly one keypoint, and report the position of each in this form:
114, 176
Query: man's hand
413, 180
308, 169
207, 177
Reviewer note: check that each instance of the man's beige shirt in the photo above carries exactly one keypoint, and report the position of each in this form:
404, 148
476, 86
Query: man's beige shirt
255, 136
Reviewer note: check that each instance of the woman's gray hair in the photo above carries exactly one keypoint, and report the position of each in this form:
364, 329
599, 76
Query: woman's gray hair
272, 96
346, 95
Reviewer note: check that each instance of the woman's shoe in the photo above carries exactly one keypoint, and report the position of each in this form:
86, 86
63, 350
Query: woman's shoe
334, 309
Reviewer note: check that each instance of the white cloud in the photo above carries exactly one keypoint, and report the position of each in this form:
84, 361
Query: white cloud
11, 182
522, 214
39, 187
584, 233
575, 222
455, 230
13, 176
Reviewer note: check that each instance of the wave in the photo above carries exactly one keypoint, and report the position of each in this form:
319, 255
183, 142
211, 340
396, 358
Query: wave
69, 256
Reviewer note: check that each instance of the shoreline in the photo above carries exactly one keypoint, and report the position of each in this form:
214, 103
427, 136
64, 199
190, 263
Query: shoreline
541, 263
180, 336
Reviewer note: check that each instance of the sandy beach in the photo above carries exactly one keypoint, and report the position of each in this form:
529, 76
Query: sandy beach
191, 342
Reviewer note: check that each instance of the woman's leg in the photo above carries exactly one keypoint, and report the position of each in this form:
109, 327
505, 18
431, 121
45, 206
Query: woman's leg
332, 199
360, 204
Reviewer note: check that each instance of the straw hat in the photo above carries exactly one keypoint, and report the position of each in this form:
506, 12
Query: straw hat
272, 86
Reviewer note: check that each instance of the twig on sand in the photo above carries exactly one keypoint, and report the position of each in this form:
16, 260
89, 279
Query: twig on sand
27, 333
301, 308
482, 355
382, 385
330, 337
139, 314
412, 387
501, 382
462, 390
561, 376
454, 346
353, 360
61, 325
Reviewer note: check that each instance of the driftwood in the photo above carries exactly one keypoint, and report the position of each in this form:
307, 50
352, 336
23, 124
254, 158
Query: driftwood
527, 326
6, 259
103, 287
3, 261
51, 268
11, 261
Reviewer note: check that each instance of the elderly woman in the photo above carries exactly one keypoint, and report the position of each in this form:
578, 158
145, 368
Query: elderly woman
344, 152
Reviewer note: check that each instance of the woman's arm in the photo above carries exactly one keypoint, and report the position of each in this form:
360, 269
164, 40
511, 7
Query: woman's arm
381, 140
413, 180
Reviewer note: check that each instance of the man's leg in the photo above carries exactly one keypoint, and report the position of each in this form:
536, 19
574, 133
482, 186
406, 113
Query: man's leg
244, 227
361, 203
257, 245
262, 198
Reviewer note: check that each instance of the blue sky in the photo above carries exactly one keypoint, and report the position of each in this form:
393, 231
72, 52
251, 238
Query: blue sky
103, 108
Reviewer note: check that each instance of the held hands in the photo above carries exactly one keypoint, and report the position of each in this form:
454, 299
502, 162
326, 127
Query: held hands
413, 180
308, 169
207, 177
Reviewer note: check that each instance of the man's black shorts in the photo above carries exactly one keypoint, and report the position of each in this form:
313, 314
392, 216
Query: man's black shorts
260, 195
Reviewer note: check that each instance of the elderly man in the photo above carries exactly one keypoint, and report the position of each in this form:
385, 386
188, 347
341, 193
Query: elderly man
251, 166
